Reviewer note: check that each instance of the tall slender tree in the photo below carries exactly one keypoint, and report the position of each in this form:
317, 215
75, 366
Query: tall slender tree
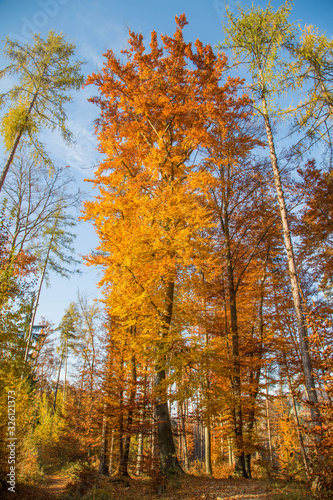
46, 74
257, 37
67, 335
53, 256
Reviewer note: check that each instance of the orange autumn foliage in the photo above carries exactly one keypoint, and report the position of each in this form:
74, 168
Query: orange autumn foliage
158, 109
162, 113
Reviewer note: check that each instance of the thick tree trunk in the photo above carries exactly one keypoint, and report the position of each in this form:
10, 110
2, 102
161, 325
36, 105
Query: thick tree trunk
248, 465
168, 459
295, 288
123, 466
124, 462
236, 376
167, 449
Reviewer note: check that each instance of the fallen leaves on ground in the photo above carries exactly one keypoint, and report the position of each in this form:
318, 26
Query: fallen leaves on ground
192, 488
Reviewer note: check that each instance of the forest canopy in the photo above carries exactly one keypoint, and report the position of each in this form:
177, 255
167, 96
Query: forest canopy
210, 352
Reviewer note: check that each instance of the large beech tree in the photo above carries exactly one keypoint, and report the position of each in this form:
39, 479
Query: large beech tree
157, 110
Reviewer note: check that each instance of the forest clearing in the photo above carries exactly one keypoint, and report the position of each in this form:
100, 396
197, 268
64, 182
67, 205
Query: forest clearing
204, 368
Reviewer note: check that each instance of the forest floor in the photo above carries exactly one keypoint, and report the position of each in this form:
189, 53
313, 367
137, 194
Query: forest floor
53, 487
189, 487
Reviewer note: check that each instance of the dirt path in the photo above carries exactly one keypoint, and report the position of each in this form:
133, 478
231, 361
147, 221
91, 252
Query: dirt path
55, 485
186, 488
52, 488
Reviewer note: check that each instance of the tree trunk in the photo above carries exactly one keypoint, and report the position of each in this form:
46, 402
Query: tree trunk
57, 385
121, 417
168, 459
236, 372
255, 375
298, 427
139, 458
207, 433
230, 452
236, 376
152, 446
208, 451
111, 453
184, 440
295, 288
268, 422
248, 465
167, 449
65, 378
124, 461
103, 467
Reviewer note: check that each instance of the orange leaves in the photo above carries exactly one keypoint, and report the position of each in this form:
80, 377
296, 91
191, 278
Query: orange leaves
24, 263
315, 226
166, 126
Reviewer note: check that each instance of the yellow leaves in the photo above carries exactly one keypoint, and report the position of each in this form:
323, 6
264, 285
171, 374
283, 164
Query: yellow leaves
161, 114
16, 121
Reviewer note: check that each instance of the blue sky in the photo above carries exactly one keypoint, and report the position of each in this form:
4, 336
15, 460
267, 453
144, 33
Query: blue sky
98, 25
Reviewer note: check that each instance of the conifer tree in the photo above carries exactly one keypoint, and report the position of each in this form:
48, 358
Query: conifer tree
46, 75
